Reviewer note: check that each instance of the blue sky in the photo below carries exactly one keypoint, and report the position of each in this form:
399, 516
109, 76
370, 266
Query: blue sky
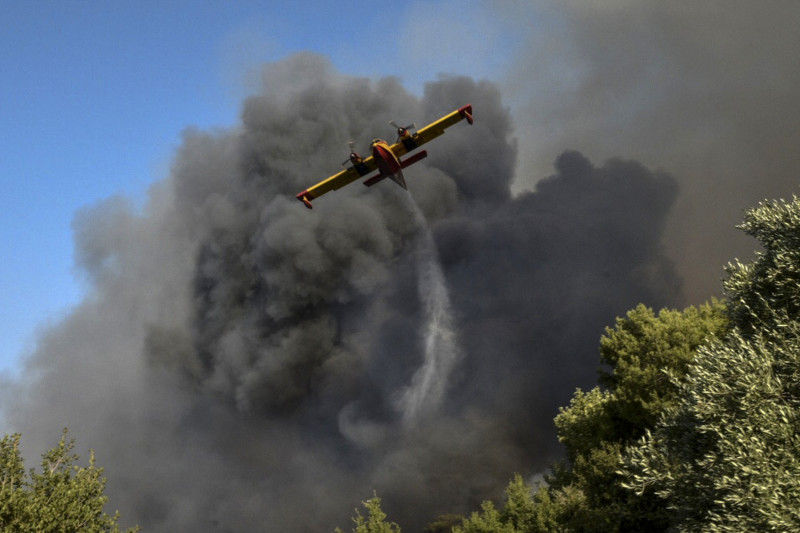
95, 95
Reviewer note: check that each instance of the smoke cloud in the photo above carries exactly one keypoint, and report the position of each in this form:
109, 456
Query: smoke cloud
243, 364
706, 90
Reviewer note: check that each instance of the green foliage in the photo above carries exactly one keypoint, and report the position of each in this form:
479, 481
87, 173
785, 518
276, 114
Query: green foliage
643, 350
554, 509
587, 423
486, 521
63, 497
770, 283
13, 496
525, 511
375, 521
726, 457
517, 515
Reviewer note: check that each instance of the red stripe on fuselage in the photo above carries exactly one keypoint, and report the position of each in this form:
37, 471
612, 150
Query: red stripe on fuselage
385, 158
387, 162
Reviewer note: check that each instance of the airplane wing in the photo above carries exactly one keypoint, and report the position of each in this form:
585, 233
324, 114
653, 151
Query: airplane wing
431, 131
400, 148
338, 180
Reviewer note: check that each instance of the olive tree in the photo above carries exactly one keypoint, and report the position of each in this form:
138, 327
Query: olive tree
726, 456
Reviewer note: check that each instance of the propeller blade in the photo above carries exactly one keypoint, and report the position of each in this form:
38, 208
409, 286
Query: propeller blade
397, 126
352, 146
402, 130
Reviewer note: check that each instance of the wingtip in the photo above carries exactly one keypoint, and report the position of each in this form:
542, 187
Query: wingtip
305, 197
466, 112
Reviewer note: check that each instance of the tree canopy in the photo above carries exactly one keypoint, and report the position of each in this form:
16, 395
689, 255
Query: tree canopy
62, 498
587, 492
375, 521
726, 457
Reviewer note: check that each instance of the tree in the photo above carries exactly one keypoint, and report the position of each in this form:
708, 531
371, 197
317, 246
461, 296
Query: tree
587, 493
639, 351
517, 515
763, 291
726, 456
524, 511
375, 521
63, 497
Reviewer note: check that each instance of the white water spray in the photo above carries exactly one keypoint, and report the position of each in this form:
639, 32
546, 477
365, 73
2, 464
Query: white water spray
429, 383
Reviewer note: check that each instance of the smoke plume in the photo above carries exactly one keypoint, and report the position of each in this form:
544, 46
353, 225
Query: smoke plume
243, 364
706, 90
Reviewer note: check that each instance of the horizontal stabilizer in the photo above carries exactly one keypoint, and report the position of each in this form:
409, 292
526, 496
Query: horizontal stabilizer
369, 182
372, 180
413, 159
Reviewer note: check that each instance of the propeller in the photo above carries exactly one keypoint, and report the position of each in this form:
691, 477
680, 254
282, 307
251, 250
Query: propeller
402, 131
353, 155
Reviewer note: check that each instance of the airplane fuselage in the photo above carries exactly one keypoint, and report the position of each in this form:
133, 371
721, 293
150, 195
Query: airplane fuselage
387, 162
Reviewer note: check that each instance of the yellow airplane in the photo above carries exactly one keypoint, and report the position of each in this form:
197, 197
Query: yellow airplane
386, 158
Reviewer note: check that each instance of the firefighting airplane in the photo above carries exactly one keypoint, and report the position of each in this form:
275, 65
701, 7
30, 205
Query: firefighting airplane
386, 158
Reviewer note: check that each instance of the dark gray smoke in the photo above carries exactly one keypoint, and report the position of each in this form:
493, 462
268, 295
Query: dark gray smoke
707, 90
244, 364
